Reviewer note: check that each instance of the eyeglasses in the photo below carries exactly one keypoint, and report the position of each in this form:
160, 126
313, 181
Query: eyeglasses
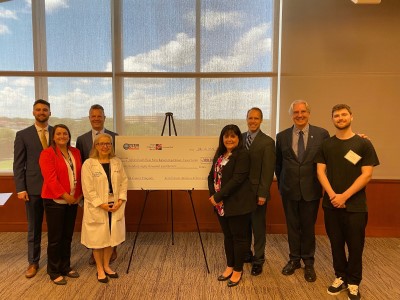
104, 144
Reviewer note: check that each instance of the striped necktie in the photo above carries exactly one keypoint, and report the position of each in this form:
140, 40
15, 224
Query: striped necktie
249, 140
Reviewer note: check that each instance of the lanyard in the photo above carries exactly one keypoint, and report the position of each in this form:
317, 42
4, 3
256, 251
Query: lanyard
71, 164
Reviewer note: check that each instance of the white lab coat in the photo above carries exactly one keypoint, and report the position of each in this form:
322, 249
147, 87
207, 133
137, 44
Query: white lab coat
95, 225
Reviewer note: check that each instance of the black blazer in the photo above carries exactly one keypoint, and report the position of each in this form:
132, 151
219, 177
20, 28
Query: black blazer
262, 164
27, 149
298, 180
84, 143
236, 191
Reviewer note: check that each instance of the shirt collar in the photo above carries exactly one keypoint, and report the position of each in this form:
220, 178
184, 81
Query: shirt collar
39, 129
305, 129
94, 132
253, 134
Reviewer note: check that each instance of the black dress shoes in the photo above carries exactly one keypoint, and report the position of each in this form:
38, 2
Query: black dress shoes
290, 267
115, 275
223, 278
102, 280
256, 270
309, 274
234, 283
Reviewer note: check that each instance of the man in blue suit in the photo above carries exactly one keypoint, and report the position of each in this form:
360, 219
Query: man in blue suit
84, 143
261, 148
28, 145
296, 148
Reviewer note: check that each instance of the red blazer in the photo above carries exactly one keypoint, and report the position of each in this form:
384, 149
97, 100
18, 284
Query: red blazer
55, 173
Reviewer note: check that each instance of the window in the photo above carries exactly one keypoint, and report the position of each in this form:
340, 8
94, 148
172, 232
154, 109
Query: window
205, 61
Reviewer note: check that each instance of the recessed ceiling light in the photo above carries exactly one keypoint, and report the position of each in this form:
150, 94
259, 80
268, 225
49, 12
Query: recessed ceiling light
366, 1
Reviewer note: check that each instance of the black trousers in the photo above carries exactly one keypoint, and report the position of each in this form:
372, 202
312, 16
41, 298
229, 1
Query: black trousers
346, 228
300, 219
60, 223
236, 237
34, 213
258, 230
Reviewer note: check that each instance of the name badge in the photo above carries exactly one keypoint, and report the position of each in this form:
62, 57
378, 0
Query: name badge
97, 174
352, 157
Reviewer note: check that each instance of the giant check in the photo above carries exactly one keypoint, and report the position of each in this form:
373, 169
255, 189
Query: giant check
166, 162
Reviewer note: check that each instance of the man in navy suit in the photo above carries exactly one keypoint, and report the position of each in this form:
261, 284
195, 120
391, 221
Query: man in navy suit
296, 148
28, 145
261, 148
84, 143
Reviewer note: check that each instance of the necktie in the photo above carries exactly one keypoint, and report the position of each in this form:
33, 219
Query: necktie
249, 140
300, 146
43, 139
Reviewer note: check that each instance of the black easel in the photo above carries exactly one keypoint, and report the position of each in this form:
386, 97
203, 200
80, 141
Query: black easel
168, 116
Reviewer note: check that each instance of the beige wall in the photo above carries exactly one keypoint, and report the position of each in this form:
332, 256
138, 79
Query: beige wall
334, 51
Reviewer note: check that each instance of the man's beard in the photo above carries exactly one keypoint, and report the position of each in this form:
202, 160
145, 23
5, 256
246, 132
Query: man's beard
42, 120
343, 127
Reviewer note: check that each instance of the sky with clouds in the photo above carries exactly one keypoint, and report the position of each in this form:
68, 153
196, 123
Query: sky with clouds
158, 36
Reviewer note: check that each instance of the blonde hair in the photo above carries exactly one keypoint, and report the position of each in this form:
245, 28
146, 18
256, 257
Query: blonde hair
94, 153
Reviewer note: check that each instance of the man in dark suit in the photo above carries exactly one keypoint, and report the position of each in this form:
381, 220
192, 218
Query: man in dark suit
28, 145
84, 143
261, 148
296, 148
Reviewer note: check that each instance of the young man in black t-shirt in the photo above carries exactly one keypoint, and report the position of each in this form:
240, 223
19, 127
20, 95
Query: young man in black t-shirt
344, 167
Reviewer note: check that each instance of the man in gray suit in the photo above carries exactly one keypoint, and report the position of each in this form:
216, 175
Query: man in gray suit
84, 143
296, 148
261, 148
28, 145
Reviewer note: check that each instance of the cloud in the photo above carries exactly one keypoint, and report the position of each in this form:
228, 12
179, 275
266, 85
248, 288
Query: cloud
52, 5
211, 20
83, 81
16, 102
239, 100
23, 82
78, 103
215, 19
175, 54
249, 47
4, 29
8, 14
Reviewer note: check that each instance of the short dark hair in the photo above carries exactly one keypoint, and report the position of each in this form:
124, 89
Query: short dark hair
257, 109
226, 130
54, 132
41, 101
341, 106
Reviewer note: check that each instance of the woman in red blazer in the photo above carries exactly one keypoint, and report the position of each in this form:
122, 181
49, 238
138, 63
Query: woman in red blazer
61, 169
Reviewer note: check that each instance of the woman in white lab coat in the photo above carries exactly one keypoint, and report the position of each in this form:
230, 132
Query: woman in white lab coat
104, 185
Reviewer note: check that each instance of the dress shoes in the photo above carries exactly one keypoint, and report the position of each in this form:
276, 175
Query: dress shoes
290, 267
115, 275
256, 269
223, 278
31, 271
309, 274
102, 280
72, 274
113, 255
234, 283
60, 282
92, 262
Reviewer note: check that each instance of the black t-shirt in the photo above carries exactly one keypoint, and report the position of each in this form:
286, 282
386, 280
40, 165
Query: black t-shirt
342, 171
